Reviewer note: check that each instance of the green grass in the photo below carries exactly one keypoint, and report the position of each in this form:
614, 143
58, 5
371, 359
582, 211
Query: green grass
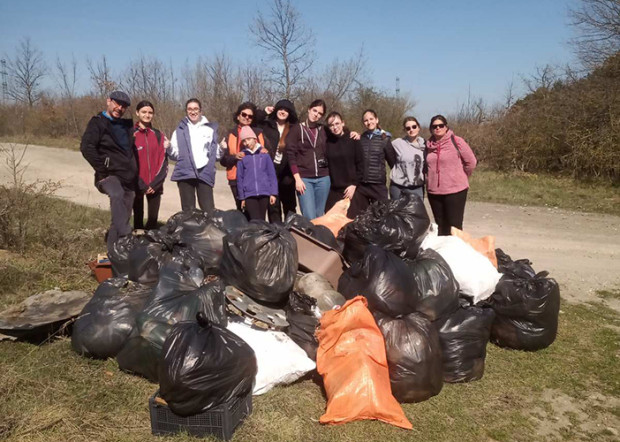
608, 294
51, 393
544, 190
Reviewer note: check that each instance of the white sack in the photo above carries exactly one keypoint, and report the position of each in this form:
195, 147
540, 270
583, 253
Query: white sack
280, 360
473, 271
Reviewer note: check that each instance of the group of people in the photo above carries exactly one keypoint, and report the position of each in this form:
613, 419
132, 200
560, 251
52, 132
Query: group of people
272, 159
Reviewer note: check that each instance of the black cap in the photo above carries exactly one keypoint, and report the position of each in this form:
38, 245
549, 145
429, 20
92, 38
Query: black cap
120, 97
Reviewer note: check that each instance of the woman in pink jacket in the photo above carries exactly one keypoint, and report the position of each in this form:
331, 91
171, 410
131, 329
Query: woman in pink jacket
450, 161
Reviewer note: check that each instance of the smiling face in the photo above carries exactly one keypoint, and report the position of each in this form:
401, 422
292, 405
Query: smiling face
115, 109
249, 143
438, 128
315, 113
145, 115
194, 112
336, 125
245, 117
370, 121
282, 115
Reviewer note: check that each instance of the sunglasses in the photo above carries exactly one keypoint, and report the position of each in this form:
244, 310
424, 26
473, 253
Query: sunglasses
412, 127
248, 116
438, 126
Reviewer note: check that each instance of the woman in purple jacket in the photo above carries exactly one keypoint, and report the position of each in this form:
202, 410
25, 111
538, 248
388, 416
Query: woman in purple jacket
257, 184
450, 161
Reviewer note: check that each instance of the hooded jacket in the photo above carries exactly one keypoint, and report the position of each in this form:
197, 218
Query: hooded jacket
448, 168
152, 158
306, 155
256, 175
185, 167
104, 152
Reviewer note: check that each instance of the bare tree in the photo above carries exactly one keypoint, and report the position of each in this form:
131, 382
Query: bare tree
598, 25
66, 77
101, 77
342, 76
26, 70
288, 43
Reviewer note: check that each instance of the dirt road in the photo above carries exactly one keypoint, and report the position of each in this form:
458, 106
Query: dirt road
580, 250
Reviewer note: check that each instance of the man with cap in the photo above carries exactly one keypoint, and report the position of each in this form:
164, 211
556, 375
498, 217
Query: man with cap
107, 145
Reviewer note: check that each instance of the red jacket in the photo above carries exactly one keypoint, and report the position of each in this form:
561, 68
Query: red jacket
152, 159
448, 169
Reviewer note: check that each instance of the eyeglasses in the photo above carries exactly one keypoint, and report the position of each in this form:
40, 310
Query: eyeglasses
193, 109
412, 127
248, 116
438, 126
119, 104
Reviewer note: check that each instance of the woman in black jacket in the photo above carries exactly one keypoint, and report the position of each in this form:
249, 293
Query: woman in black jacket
341, 157
375, 148
275, 123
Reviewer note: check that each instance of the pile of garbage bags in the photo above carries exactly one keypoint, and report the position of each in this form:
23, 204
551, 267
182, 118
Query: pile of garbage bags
411, 311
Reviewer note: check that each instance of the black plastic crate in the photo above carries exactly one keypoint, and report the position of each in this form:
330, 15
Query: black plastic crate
220, 421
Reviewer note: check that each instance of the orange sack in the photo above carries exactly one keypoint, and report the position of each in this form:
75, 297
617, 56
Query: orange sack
336, 218
351, 358
484, 245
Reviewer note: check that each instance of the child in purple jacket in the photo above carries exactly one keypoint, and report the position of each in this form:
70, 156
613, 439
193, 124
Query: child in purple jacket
257, 184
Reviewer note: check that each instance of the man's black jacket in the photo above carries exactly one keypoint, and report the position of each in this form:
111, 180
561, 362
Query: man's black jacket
104, 153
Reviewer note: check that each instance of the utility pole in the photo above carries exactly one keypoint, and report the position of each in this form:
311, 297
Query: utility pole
5, 84
397, 86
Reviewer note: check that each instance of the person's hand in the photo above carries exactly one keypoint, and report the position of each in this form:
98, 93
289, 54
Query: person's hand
269, 109
243, 204
239, 155
272, 200
300, 186
150, 191
166, 142
223, 145
264, 150
355, 136
349, 191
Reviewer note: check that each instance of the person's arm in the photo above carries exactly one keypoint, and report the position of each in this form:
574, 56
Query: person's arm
173, 149
273, 179
229, 160
359, 162
292, 140
160, 177
88, 146
240, 177
467, 156
390, 153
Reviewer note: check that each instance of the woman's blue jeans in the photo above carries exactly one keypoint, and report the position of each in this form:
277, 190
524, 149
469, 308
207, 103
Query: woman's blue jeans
312, 202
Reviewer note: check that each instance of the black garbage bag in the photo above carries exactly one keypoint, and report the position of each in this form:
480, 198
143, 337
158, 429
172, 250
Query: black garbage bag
526, 312
464, 336
321, 233
145, 259
106, 322
396, 225
229, 220
203, 366
118, 254
521, 268
383, 279
178, 297
199, 232
302, 322
414, 356
437, 291
261, 261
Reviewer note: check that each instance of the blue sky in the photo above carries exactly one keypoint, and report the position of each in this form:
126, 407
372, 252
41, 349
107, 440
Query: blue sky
440, 50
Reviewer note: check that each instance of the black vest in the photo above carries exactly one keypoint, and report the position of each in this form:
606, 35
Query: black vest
373, 153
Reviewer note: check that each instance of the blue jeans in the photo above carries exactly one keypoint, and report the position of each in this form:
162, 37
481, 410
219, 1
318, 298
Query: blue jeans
396, 191
312, 202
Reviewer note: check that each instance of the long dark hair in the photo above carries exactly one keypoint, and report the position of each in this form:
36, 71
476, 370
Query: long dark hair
145, 103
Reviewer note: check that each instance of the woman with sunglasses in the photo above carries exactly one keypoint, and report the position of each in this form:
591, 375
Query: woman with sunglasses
375, 148
306, 155
407, 175
450, 161
232, 149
